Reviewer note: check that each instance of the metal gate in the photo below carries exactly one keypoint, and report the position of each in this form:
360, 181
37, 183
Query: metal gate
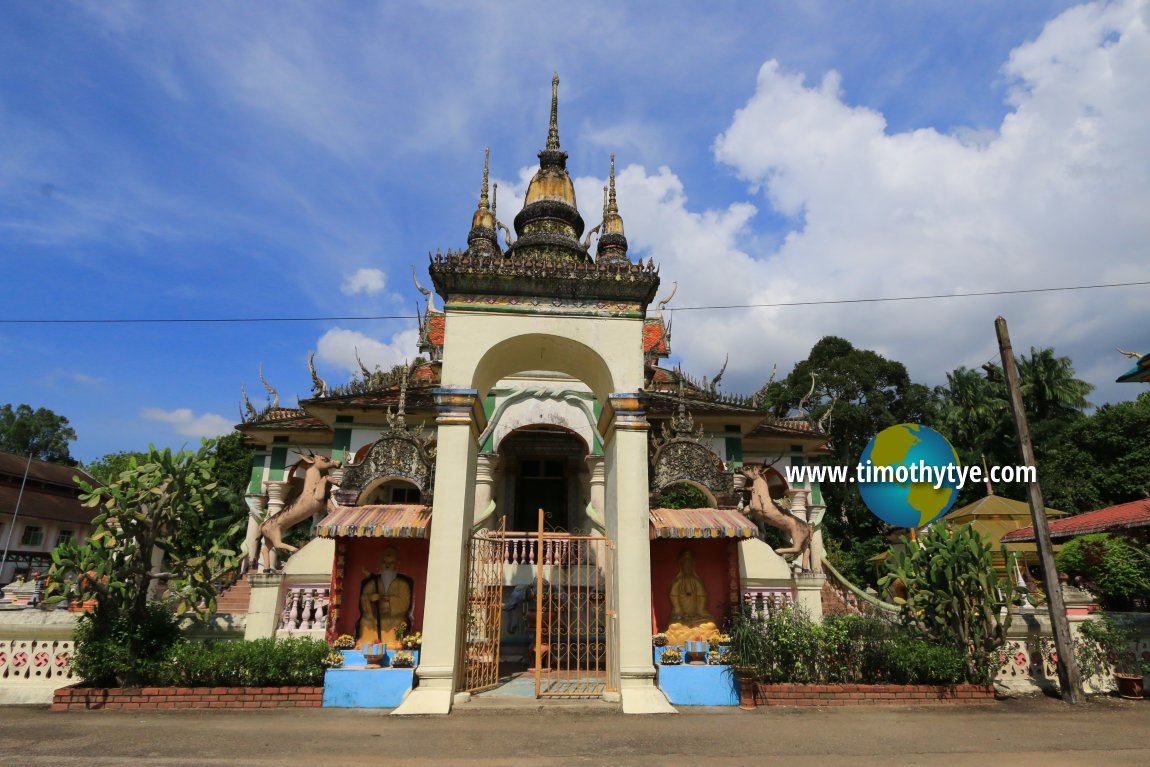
483, 610
574, 616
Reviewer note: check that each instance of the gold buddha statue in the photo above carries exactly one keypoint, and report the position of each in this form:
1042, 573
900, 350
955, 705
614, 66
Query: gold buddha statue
690, 618
384, 603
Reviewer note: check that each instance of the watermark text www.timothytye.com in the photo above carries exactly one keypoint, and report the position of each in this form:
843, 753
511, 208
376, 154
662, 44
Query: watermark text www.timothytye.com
950, 475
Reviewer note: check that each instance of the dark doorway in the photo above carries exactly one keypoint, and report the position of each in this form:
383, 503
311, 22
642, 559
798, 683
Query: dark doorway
543, 466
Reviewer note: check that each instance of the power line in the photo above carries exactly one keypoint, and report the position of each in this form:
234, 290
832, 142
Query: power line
928, 297
716, 307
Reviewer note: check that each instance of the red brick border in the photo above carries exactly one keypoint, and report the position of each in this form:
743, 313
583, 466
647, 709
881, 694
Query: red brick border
869, 694
152, 698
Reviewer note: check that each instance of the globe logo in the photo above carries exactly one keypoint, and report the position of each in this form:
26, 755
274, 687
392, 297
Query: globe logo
905, 476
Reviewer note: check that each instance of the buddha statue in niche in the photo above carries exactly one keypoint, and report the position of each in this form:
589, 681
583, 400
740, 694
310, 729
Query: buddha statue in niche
690, 618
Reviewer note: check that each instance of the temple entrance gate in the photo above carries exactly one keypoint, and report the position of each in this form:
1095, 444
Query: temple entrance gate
575, 616
483, 610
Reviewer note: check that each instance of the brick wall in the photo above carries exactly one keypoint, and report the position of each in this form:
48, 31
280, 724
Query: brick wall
151, 698
869, 694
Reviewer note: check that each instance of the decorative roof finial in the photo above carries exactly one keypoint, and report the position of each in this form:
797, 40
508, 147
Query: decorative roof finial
483, 189
604, 203
494, 197
612, 206
553, 129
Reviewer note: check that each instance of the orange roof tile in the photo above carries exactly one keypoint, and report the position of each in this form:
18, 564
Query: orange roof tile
436, 328
655, 337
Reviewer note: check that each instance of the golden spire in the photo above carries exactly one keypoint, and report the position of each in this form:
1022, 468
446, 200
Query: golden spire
483, 189
612, 207
482, 238
612, 246
553, 129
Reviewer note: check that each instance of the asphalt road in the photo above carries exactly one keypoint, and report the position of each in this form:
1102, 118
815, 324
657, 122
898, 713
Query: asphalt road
1016, 732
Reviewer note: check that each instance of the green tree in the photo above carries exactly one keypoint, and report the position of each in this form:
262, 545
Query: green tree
153, 526
974, 414
1100, 460
108, 468
40, 432
865, 393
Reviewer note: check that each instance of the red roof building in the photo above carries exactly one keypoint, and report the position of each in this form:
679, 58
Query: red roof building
1125, 516
49, 512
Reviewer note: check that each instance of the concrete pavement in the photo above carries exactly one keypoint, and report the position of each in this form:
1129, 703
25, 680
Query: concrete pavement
1015, 732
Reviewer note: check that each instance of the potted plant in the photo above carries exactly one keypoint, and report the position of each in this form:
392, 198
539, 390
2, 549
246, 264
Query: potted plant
333, 659
1117, 642
671, 657
659, 642
403, 659
343, 642
746, 653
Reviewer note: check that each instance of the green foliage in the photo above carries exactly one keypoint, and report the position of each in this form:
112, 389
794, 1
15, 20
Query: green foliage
1113, 567
1109, 643
747, 652
110, 647
869, 393
843, 649
954, 595
852, 557
1100, 460
158, 508
682, 496
108, 468
40, 432
297, 661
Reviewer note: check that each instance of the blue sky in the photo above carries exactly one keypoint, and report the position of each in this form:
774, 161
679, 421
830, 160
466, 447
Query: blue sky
287, 159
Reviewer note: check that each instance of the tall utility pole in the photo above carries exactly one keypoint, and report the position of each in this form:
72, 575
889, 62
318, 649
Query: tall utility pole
1069, 680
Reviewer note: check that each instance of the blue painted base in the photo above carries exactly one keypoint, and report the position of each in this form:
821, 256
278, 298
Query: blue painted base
366, 688
699, 685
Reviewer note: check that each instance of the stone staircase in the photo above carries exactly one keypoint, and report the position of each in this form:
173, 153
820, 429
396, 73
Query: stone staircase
234, 599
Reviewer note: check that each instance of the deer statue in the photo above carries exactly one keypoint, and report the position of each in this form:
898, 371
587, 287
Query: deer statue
764, 508
301, 504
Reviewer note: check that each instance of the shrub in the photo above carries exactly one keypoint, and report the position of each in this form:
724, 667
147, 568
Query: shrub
103, 654
848, 649
1111, 566
954, 595
258, 663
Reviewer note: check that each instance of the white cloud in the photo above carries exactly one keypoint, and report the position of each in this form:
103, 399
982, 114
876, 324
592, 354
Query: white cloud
339, 347
184, 422
1058, 195
369, 281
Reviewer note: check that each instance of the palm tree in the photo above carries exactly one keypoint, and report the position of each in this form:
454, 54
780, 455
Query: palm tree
1049, 388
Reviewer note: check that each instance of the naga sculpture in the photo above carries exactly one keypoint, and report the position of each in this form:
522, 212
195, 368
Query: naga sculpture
301, 504
763, 508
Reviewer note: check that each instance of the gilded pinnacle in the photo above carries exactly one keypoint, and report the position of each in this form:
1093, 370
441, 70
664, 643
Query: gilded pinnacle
612, 206
483, 190
553, 129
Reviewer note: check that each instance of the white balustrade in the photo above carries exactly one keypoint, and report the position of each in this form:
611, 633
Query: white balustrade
305, 609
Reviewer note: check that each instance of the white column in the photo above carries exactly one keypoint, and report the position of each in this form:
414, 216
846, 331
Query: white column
597, 469
627, 525
277, 493
256, 504
809, 594
263, 605
453, 511
486, 472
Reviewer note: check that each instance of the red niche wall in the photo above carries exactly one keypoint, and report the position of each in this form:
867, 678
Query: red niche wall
711, 565
363, 560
